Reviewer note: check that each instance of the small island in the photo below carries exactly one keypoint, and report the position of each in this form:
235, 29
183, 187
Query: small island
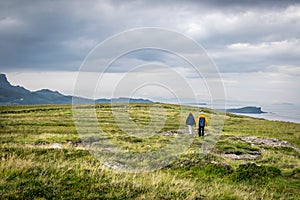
247, 109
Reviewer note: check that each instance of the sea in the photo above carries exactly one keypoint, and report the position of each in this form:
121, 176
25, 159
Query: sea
279, 112
276, 112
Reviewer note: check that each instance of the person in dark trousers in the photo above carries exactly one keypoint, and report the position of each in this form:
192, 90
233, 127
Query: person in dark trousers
202, 122
190, 122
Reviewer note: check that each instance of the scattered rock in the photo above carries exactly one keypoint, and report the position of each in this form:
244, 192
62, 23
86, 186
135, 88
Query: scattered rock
74, 143
167, 133
56, 146
224, 164
170, 133
114, 165
108, 149
242, 157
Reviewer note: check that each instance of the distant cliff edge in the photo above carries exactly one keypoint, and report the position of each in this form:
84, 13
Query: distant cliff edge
247, 110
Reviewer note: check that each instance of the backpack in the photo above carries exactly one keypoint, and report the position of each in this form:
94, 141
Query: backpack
201, 121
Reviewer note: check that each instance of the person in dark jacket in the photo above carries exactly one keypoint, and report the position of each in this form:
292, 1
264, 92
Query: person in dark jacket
202, 122
190, 122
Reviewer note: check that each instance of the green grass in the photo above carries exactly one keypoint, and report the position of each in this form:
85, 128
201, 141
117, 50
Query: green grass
29, 169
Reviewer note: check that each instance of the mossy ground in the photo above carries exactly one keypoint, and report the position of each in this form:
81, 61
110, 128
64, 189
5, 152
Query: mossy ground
31, 170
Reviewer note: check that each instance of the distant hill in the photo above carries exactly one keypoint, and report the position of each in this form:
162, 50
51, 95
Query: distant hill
17, 95
248, 110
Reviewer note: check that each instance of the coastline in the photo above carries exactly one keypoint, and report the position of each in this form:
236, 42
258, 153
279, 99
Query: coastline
273, 112
271, 117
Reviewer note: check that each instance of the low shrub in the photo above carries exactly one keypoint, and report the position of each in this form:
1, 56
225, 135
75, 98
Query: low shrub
251, 171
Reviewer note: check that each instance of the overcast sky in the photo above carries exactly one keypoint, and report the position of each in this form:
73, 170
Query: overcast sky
254, 44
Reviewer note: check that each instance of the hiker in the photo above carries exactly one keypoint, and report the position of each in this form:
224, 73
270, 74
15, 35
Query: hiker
190, 121
202, 122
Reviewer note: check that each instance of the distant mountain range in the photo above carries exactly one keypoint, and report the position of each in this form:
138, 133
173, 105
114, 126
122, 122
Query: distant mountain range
17, 95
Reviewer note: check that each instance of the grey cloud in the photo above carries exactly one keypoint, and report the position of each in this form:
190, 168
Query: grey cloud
37, 34
212, 4
42, 35
146, 45
245, 57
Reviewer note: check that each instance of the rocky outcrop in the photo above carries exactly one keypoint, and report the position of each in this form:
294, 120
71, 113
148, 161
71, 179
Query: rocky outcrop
261, 142
243, 156
272, 142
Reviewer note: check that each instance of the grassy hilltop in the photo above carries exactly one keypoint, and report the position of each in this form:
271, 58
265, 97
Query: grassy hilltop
238, 167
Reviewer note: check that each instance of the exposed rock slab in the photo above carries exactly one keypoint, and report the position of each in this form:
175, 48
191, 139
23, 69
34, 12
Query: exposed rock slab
272, 142
267, 142
242, 157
